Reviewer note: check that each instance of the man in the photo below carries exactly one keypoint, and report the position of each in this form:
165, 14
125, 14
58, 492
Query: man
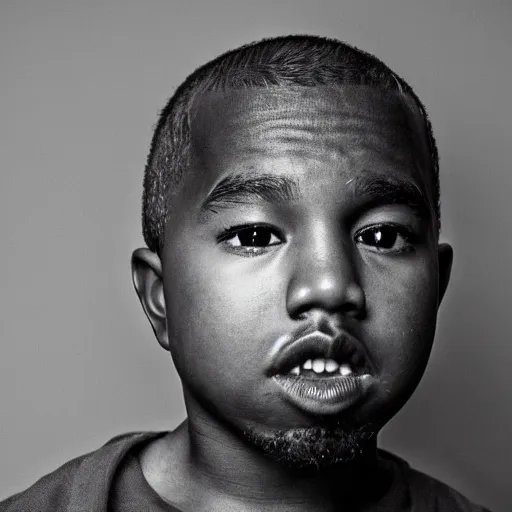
294, 273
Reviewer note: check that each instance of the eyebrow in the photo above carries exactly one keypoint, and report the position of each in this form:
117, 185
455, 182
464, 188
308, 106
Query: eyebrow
386, 190
373, 190
245, 188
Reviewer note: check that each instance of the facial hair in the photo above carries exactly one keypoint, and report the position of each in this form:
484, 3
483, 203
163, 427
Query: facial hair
315, 448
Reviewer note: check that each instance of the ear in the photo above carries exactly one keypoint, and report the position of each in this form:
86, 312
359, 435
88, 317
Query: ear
147, 279
445, 258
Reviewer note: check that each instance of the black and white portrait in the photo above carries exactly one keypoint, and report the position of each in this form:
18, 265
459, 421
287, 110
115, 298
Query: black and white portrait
255, 256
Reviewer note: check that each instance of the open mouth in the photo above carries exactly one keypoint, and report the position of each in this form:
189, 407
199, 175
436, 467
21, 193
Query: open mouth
324, 367
322, 375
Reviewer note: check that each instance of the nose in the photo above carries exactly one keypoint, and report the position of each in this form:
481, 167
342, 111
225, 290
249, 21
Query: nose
325, 278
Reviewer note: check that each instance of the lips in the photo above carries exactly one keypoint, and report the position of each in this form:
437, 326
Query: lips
341, 348
296, 368
322, 397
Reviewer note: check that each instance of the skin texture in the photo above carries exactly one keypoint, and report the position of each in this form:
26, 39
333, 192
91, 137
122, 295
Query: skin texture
221, 308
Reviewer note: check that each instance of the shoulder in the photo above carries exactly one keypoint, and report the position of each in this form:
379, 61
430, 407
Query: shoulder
443, 497
51, 492
428, 494
85, 478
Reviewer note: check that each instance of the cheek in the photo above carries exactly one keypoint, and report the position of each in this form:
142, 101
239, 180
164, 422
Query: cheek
221, 322
219, 314
402, 311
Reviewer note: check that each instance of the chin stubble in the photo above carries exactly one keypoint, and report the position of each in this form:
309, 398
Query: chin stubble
315, 448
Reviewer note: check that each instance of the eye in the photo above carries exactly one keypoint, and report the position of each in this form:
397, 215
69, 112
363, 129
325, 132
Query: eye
250, 240
385, 238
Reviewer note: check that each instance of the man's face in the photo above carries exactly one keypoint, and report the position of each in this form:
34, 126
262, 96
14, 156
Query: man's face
301, 263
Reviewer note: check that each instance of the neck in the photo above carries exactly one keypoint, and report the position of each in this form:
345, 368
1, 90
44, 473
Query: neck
206, 467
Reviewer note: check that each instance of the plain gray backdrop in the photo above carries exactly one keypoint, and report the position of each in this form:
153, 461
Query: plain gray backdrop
81, 85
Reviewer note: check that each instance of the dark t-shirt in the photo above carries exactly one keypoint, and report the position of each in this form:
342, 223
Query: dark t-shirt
132, 493
410, 491
111, 480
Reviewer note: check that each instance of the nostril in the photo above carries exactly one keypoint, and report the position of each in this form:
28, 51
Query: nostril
355, 309
351, 308
301, 315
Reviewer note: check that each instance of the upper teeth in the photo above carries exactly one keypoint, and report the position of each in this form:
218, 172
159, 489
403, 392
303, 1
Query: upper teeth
345, 369
323, 366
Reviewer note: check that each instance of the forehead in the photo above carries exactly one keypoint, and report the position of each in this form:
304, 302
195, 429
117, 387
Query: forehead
324, 131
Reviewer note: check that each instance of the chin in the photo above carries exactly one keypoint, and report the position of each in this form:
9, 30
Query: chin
315, 448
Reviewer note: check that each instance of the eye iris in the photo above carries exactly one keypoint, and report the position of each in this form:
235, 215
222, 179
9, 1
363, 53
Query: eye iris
255, 237
384, 238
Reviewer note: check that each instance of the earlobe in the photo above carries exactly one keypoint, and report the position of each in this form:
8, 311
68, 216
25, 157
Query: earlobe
147, 280
445, 257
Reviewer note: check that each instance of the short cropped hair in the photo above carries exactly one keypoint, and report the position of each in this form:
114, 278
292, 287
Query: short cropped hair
307, 61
